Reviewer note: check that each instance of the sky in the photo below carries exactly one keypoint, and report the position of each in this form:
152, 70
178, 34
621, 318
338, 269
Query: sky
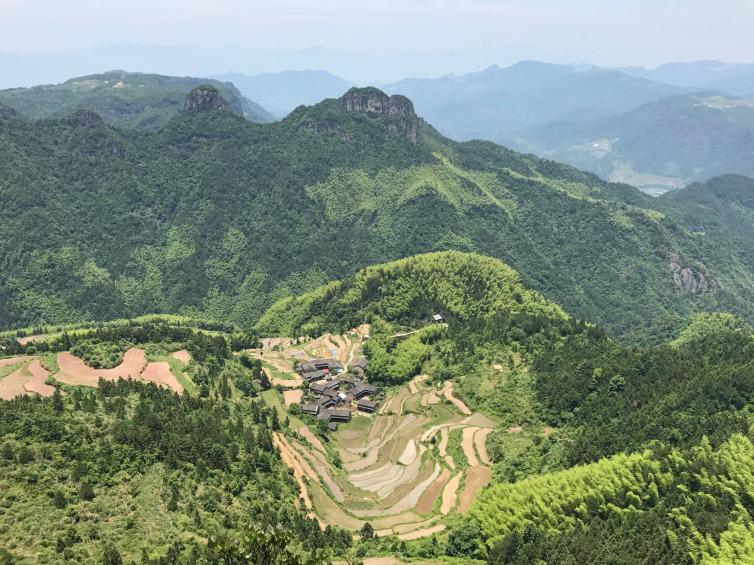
458, 35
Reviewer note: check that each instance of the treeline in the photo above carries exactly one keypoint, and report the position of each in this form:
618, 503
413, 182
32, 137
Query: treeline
662, 506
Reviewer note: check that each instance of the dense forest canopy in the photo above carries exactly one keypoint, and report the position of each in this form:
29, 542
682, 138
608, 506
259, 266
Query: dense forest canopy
213, 216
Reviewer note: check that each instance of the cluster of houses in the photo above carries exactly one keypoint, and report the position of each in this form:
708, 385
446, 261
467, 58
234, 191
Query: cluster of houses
335, 394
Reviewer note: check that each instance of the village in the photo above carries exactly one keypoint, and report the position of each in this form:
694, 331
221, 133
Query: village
335, 394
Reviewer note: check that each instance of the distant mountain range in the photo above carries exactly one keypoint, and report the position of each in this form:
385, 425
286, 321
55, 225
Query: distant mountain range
735, 79
494, 103
661, 145
281, 92
134, 100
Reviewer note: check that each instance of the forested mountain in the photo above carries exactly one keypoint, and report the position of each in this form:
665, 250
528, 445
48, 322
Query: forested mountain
133, 100
212, 215
605, 453
495, 103
281, 92
661, 145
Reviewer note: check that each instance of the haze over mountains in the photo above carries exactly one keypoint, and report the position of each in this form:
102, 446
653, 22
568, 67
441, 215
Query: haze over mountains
607, 121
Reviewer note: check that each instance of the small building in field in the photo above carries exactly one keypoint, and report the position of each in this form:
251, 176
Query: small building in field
332, 426
438, 319
366, 405
359, 365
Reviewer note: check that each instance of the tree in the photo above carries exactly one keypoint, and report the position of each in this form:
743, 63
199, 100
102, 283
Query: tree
367, 531
111, 555
57, 401
58, 499
86, 492
264, 381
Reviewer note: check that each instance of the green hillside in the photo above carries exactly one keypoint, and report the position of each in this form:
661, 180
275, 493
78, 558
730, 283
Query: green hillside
213, 216
129, 100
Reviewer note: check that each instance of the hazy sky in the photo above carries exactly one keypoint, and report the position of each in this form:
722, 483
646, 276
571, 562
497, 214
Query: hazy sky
605, 32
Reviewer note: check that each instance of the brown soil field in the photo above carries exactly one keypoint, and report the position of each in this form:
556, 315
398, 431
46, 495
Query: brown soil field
12, 385
467, 444
476, 478
31, 339
448, 392
292, 397
430, 399
449, 494
13, 360
426, 532
427, 500
74, 371
409, 453
479, 420
160, 374
36, 383
450, 462
271, 342
480, 440
290, 461
183, 356
285, 383
307, 434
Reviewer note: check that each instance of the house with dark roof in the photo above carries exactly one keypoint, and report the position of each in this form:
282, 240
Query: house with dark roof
327, 365
359, 365
363, 389
310, 408
366, 405
325, 402
334, 415
317, 388
314, 375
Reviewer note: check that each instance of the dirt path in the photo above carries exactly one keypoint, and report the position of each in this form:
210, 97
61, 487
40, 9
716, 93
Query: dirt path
480, 440
183, 356
449, 494
12, 385
36, 383
292, 397
448, 393
422, 533
413, 385
476, 478
467, 444
427, 500
160, 374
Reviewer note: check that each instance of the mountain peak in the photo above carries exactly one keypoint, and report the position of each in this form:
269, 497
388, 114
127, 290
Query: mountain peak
204, 98
376, 104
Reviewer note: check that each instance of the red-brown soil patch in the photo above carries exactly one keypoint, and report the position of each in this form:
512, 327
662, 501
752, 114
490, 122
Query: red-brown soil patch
476, 478
160, 374
74, 371
480, 440
423, 533
467, 444
457, 402
31, 338
12, 385
13, 360
36, 383
292, 396
183, 356
427, 500
449, 494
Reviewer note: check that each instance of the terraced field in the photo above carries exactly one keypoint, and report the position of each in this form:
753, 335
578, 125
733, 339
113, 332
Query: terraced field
395, 470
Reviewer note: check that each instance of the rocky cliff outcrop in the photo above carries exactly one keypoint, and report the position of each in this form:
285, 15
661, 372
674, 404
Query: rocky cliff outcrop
204, 98
689, 280
376, 104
